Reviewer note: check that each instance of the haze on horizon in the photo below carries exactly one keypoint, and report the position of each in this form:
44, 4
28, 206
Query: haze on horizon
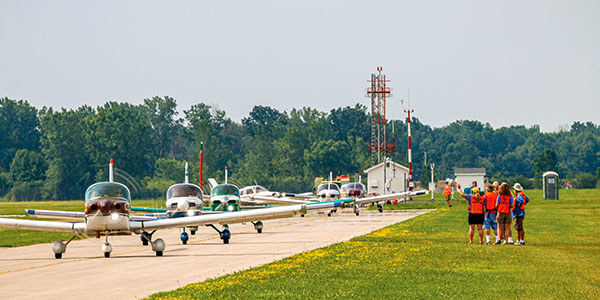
503, 63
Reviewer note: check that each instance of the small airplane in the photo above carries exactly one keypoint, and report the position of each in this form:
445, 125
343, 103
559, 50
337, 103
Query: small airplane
108, 212
354, 189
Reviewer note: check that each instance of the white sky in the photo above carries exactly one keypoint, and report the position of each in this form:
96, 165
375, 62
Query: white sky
502, 62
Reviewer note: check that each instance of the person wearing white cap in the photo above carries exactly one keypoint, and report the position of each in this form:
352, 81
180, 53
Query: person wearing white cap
518, 212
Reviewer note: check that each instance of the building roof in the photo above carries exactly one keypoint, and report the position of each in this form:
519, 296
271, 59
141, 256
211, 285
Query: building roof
470, 171
392, 163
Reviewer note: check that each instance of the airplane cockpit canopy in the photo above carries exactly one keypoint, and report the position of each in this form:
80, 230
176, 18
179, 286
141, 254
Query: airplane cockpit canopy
355, 186
184, 190
328, 186
107, 190
225, 189
252, 189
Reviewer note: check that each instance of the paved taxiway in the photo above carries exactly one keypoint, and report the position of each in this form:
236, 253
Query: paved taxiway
134, 272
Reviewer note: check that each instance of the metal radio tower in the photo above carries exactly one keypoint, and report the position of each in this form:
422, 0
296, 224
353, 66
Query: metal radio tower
378, 93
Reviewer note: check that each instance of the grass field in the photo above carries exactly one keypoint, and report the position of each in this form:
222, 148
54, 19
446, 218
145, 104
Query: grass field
18, 237
429, 257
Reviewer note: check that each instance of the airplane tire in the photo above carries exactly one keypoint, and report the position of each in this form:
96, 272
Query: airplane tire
107, 254
259, 230
193, 232
58, 255
159, 253
184, 242
145, 242
225, 241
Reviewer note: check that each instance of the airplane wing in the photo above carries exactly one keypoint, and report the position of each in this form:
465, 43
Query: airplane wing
75, 214
278, 200
236, 217
148, 209
389, 197
42, 225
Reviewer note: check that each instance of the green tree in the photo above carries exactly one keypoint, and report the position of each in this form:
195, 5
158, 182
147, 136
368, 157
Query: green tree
121, 131
19, 125
27, 166
163, 118
65, 145
585, 181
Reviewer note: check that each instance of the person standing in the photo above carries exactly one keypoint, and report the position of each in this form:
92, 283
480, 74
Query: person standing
504, 205
476, 213
496, 186
518, 212
489, 201
448, 192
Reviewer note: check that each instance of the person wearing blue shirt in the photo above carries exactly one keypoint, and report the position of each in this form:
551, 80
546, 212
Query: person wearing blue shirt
518, 212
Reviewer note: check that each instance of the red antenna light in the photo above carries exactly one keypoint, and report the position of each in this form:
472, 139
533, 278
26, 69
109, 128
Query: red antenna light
112, 161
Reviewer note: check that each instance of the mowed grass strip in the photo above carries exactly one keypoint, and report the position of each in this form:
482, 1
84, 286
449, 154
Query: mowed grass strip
20, 237
429, 257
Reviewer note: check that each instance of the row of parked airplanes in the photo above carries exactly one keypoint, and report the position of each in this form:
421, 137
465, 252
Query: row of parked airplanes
108, 211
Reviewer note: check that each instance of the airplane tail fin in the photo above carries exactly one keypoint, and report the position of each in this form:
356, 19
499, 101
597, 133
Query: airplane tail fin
110, 171
212, 182
187, 175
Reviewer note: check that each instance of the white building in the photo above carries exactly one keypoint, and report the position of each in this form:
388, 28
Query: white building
470, 177
396, 176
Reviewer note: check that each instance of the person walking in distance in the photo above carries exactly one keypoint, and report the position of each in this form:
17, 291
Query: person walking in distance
518, 212
476, 213
489, 223
504, 205
448, 192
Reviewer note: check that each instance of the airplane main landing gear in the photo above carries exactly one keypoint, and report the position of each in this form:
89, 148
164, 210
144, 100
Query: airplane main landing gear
258, 225
146, 237
224, 234
331, 212
356, 210
158, 245
379, 207
59, 247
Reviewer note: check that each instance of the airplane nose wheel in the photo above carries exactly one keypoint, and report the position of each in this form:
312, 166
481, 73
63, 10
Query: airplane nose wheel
107, 248
184, 237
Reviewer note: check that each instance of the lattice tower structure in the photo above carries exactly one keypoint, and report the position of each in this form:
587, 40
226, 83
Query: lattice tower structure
378, 93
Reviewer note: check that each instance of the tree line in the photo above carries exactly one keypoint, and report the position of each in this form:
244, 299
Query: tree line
57, 154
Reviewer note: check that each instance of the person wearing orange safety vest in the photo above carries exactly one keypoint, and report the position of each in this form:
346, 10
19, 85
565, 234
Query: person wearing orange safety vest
448, 192
518, 212
504, 205
476, 213
489, 201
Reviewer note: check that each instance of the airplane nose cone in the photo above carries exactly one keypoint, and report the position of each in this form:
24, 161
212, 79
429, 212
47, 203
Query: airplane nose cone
105, 207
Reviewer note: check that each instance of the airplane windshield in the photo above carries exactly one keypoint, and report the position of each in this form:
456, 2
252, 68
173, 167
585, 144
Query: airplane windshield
225, 189
107, 190
184, 190
355, 186
328, 186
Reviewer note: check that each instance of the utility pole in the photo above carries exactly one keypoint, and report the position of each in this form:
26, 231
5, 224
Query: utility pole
432, 183
408, 110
